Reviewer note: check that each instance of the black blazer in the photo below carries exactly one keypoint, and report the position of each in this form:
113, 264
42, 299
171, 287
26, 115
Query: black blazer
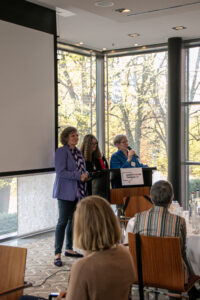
95, 165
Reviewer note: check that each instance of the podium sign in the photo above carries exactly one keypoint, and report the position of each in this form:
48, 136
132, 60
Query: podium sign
132, 176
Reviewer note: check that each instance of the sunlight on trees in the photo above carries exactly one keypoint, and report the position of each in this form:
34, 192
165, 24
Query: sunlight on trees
193, 115
77, 92
137, 105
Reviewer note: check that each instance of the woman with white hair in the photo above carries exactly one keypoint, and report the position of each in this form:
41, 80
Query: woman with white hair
125, 157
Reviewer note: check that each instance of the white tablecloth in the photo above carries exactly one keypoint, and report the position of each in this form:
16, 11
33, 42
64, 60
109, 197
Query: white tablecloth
193, 245
193, 252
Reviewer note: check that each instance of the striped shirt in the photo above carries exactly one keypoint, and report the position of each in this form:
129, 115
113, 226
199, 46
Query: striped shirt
158, 221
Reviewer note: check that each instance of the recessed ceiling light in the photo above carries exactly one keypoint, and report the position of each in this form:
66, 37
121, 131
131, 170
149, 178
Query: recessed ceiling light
136, 45
122, 10
104, 49
126, 10
79, 44
104, 3
179, 28
133, 34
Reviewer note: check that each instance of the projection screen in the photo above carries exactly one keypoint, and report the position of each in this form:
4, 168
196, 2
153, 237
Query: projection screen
27, 99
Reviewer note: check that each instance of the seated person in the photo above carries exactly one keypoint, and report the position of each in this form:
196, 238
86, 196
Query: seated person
124, 158
106, 271
94, 159
158, 221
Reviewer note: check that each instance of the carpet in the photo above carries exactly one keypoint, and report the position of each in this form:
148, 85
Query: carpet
40, 267
45, 276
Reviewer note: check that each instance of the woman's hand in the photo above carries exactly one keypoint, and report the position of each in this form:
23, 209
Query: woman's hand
130, 155
84, 177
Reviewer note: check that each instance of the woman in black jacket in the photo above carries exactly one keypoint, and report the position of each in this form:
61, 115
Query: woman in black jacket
94, 159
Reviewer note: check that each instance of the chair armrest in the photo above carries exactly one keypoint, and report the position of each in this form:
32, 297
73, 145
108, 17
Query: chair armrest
20, 287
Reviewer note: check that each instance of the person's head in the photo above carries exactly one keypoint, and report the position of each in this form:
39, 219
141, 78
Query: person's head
90, 147
95, 225
162, 193
121, 142
69, 136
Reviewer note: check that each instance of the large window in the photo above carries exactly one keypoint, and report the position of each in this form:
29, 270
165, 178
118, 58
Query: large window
192, 117
26, 205
8, 206
77, 92
137, 106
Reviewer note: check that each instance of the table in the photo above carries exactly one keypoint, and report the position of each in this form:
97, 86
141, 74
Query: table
193, 251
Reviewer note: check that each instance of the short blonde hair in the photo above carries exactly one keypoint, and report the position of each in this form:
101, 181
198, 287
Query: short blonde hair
95, 225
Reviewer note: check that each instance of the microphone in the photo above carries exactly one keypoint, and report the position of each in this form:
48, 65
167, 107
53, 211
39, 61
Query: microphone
129, 148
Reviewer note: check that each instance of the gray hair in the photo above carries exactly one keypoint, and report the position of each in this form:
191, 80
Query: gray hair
161, 193
118, 139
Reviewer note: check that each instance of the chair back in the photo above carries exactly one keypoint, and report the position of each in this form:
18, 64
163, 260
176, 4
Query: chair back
135, 205
162, 264
12, 269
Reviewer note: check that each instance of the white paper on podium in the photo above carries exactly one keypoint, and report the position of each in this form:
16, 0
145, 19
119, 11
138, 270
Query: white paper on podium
132, 176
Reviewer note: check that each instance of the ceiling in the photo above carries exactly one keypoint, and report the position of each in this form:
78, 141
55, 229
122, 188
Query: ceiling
99, 27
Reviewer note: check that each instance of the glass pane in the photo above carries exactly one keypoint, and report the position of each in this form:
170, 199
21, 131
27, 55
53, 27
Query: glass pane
26, 205
193, 181
137, 106
37, 211
194, 74
77, 92
194, 132
8, 206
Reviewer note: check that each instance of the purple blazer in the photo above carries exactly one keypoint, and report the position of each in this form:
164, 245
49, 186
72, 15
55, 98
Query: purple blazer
67, 175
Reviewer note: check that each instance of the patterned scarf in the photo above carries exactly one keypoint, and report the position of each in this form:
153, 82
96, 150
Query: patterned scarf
82, 186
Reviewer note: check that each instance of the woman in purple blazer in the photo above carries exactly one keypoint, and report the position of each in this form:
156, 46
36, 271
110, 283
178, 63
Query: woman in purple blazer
69, 188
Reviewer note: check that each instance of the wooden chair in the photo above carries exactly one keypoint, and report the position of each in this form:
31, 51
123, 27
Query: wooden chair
133, 205
162, 264
136, 204
12, 269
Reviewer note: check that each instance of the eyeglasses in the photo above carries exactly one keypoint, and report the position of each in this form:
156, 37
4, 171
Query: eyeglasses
94, 144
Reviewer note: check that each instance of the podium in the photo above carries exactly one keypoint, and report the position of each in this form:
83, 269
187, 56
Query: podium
118, 192
100, 184
107, 184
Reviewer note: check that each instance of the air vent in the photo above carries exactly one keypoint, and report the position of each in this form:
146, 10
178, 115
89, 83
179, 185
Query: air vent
104, 3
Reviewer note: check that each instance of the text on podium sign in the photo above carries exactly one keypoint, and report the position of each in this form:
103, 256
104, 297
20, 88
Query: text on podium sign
132, 176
